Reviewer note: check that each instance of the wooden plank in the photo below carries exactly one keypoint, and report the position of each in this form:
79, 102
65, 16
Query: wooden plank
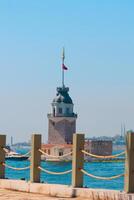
129, 163
35, 158
2, 156
77, 160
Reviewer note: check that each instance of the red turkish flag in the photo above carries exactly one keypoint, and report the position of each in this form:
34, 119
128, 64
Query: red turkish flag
64, 67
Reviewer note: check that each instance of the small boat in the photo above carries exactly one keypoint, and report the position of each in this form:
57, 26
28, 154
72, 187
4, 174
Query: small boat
12, 155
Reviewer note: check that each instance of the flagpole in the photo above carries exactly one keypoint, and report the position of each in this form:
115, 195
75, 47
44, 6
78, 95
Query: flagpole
63, 57
62, 77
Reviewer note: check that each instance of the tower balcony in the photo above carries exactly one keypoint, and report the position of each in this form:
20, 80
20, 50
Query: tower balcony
62, 115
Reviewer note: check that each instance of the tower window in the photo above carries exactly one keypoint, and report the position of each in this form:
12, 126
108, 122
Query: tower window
67, 110
60, 110
61, 153
54, 112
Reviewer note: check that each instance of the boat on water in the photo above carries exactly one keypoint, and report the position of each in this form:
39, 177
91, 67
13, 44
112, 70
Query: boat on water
12, 155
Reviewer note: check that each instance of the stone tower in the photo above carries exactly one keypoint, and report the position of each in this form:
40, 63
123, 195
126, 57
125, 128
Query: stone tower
62, 119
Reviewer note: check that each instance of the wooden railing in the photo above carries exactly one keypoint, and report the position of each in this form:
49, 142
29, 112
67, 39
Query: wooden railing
78, 153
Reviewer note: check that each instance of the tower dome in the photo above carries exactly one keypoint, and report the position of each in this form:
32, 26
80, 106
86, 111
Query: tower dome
62, 96
62, 104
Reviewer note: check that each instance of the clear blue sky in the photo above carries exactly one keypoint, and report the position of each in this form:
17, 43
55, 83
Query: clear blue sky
98, 37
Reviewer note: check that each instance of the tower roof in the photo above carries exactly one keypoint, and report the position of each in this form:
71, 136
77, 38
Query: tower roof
62, 96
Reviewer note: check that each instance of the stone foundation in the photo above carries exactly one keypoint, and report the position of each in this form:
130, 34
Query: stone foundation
64, 191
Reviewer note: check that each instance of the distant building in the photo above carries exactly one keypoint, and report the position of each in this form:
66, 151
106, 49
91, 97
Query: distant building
96, 147
57, 150
99, 147
11, 140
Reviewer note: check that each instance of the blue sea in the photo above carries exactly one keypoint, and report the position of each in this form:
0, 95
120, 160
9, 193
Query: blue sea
96, 168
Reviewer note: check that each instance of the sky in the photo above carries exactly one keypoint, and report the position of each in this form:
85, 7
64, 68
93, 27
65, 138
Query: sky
98, 37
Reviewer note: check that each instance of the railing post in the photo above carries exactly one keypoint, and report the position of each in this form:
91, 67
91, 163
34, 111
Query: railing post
2, 155
129, 163
77, 160
35, 158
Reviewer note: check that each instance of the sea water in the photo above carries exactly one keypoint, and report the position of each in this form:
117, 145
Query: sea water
105, 169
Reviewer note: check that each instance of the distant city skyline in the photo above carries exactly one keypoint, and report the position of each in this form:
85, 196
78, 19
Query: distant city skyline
98, 37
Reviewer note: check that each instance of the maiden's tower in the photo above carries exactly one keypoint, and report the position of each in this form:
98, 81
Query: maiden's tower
62, 119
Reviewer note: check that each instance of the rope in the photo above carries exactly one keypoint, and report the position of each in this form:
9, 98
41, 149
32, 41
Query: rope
101, 177
15, 168
29, 158
54, 173
18, 156
52, 156
97, 156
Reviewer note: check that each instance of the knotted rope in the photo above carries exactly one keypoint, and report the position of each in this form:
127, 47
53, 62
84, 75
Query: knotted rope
101, 177
97, 156
52, 156
54, 173
15, 168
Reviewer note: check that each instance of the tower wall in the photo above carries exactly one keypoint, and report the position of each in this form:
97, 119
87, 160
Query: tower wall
61, 129
56, 106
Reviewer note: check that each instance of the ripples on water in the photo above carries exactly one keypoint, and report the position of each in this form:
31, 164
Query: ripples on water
96, 168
